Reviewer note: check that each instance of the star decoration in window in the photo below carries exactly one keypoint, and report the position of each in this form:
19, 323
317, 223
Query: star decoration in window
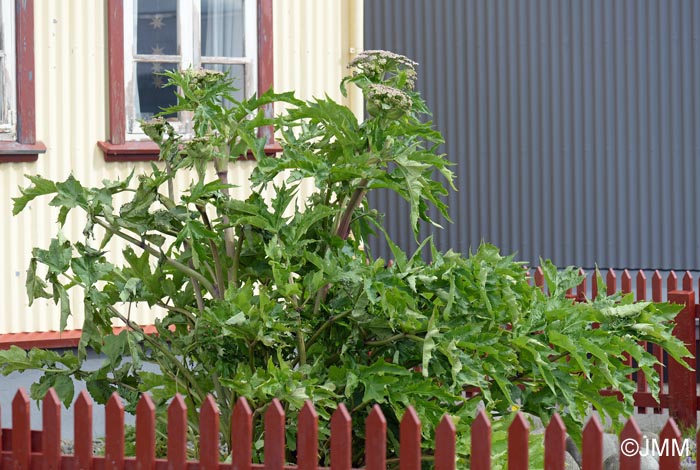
156, 67
157, 50
157, 21
157, 81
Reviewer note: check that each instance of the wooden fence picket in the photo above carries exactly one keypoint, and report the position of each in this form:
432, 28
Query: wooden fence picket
611, 282
51, 432
626, 282
114, 435
21, 431
519, 443
592, 457
641, 286
307, 437
82, 431
242, 435
581, 289
209, 435
409, 450
481, 443
687, 281
555, 444
274, 436
594, 284
341, 439
629, 459
177, 434
145, 433
375, 440
446, 445
539, 278
670, 458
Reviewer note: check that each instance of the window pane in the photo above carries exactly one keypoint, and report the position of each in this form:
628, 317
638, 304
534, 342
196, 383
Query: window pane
151, 96
3, 98
156, 27
223, 28
236, 73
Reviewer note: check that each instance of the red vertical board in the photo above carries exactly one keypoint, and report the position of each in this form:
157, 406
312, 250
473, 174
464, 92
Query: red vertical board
21, 434
274, 436
445, 445
51, 435
242, 435
630, 441
555, 444
539, 278
581, 289
145, 433
341, 439
626, 282
82, 430
409, 450
592, 455
518, 443
672, 281
177, 434
687, 281
375, 440
307, 438
681, 381
611, 282
594, 284
641, 286
114, 433
670, 436
481, 443
209, 435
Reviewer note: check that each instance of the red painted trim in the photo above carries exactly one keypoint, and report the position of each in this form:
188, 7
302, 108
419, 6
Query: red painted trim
51, 339
115, 45
266, 62
11, 152
26, 113
129, 151
25, 148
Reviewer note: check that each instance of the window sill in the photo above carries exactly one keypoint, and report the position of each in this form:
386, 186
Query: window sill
14, 152
148, 151
51, 339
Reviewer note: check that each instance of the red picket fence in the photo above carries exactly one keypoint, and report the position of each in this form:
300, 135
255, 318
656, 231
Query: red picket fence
680, 393
23, 449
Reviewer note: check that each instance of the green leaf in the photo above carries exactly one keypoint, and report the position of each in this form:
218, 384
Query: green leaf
40, 187
36, 287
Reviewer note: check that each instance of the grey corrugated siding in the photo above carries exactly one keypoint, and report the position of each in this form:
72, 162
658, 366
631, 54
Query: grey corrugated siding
575, 124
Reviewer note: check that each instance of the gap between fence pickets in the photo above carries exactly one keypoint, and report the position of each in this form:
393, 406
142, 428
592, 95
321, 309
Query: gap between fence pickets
24, 450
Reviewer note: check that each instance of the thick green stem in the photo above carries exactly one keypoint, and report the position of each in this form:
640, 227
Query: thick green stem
343, 229
221, 166
233, 274
152, 251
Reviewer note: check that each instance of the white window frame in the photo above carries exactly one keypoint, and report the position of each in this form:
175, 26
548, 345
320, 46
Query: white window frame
8, 75
189, 45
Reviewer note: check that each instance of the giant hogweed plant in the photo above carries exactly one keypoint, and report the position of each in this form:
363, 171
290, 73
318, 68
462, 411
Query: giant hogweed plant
282, 298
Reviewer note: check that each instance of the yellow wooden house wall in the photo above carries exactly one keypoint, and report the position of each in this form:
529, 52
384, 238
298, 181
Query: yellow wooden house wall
313, 42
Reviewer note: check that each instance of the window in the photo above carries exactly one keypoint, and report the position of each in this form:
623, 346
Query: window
17, 112
149, 36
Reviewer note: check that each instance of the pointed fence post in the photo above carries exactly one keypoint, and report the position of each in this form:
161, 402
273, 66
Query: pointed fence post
307, 438
177, 434
670, 439
555, 444
581, 289
518, 443
209, 435
539, 278
611, 281
274, 436
21, 434
681, 381
592, 452
626, 282
341, 439
114, 433
446, 445
481, 443
145, 433
242, 435
657, 296
51, 432
375, 440
630, 444
82, 431
409, 450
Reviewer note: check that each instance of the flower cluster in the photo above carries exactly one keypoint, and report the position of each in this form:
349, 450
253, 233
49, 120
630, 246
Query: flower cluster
385, 66
387, 99
157, 129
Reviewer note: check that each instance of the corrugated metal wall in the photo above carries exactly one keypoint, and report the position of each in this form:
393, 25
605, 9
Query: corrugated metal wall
313, 39
575, 125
